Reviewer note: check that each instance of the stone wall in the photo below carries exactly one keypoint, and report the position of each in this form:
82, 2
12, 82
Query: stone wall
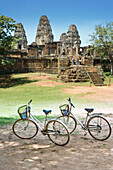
40, 64
19, 53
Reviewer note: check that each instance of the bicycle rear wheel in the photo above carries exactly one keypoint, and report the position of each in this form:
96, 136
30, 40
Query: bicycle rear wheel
25, 128
69, 121
99, 128
57, 132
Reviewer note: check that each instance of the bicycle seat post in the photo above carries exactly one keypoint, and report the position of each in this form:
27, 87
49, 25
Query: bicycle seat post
88, 114
45, 121
46, 113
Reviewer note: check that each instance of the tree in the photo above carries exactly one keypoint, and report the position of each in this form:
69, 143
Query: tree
102, 41
7, 26
7, 42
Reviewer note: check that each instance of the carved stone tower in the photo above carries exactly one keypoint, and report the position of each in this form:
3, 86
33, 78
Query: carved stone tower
70, 41
44, 31
22, 39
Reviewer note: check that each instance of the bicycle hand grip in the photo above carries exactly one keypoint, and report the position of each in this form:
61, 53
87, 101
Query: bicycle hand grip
70, 102
29, 102
69, 99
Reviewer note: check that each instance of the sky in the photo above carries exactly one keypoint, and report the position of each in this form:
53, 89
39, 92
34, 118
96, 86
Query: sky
85, 14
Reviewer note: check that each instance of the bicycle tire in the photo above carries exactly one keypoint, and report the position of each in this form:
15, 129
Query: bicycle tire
70, 122
99, 128
25, 128
57, 132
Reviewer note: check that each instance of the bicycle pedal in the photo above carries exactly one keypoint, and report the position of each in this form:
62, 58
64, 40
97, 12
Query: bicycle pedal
44, 132
85, 134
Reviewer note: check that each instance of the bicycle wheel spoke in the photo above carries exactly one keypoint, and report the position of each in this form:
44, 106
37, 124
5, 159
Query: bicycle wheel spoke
99, 128
25, 128
60, 134
69, 121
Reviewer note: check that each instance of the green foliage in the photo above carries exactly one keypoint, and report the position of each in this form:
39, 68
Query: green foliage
102, 39
6, 65
7, 26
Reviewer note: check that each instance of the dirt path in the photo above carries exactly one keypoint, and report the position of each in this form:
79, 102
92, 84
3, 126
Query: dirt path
39, 153
100, 93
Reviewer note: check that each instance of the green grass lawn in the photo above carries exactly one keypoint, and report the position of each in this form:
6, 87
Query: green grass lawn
22, 89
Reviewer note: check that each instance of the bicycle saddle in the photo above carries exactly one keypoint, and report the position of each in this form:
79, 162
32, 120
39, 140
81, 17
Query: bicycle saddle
89, 110
47, 111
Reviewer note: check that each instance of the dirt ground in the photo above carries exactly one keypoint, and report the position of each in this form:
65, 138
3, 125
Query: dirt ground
39, 153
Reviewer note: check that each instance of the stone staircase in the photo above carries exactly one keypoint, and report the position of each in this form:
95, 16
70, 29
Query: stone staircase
96, 75
82, 74
95, 78
71, 74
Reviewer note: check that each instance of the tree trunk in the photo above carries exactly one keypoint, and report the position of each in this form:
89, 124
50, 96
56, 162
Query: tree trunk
111, 63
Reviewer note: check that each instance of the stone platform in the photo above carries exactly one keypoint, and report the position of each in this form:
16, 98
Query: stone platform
81, 74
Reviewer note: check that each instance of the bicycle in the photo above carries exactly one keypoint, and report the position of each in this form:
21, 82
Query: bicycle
95, 123
27, 126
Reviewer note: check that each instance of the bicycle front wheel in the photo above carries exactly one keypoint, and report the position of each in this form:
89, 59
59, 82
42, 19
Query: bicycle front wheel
25, 128
99, 128
69, 121
58, 132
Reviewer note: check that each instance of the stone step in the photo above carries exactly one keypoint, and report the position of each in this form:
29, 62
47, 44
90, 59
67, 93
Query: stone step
80, 74
95, 78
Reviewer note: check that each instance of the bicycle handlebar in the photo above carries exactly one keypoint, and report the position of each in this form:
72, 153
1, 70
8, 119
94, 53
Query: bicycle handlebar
70, 102
29, 102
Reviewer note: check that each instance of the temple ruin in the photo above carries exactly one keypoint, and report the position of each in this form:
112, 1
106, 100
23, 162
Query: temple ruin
70, 41
19, 33
44, 31
66, 57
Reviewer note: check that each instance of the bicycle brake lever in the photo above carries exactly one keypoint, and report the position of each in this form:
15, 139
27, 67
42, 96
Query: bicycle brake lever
29, 102
72, 105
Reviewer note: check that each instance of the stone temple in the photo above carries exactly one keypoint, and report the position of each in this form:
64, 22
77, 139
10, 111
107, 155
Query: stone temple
44, 31
44, 44
70, 41
62, 57
21, 35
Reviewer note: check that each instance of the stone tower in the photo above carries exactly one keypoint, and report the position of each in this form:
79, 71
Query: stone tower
22, 39
44, 31
71, 40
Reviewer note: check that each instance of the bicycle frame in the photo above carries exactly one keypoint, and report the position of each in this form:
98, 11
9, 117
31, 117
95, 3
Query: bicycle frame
39, 124
82, 125
32, 117
85, 122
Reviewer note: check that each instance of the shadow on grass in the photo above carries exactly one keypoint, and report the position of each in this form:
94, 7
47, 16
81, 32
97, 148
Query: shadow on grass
15, 82
11, 120
7, 120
